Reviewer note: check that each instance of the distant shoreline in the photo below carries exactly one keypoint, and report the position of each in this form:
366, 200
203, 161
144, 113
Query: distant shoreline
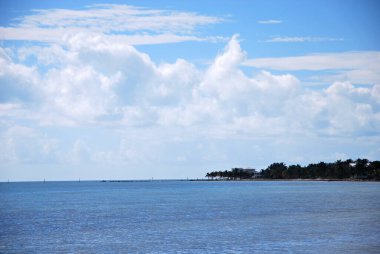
200, 180
348, 170
284, 180
244, 180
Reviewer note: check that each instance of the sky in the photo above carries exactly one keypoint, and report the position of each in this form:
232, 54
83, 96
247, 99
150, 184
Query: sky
175, 89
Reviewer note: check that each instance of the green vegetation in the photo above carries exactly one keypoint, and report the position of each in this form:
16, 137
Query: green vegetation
234, 174
360, 169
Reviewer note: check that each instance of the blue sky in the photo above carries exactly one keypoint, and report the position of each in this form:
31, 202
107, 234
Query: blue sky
173, 89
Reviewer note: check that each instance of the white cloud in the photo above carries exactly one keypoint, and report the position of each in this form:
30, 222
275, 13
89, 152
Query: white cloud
17, 81
109, 18
270, 22
22, 144
78, 92
148, 107
303, 39
221, 76
124, 23
315, 62
106, 82
79, 153
352, 110
356, 67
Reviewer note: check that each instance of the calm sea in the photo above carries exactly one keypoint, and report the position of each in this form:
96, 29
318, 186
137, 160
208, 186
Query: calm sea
190, 217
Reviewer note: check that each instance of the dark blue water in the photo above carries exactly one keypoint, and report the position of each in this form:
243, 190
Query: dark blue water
190, 217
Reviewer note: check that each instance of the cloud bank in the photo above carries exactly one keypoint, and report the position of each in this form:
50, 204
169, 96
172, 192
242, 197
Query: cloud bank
90, 97
127, 86
126, 90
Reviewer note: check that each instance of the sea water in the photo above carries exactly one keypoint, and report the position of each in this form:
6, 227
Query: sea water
190, 217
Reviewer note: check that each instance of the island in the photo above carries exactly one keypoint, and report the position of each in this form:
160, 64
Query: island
353, 170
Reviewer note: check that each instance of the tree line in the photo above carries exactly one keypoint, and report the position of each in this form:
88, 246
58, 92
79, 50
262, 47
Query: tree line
361, 169
233, 174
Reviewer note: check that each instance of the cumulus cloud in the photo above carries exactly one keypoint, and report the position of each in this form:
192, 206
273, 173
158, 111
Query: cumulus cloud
17, 81
100, 80
21, 144
78, 92
352, 109
99, 83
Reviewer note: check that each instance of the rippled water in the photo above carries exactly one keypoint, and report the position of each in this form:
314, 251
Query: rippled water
190, 217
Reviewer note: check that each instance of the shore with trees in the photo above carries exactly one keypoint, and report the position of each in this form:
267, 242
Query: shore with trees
353, 170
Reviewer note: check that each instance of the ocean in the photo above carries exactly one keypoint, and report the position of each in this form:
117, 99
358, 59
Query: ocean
190, 217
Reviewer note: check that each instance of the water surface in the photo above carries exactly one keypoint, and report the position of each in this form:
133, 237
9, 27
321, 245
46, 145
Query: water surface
190, 217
